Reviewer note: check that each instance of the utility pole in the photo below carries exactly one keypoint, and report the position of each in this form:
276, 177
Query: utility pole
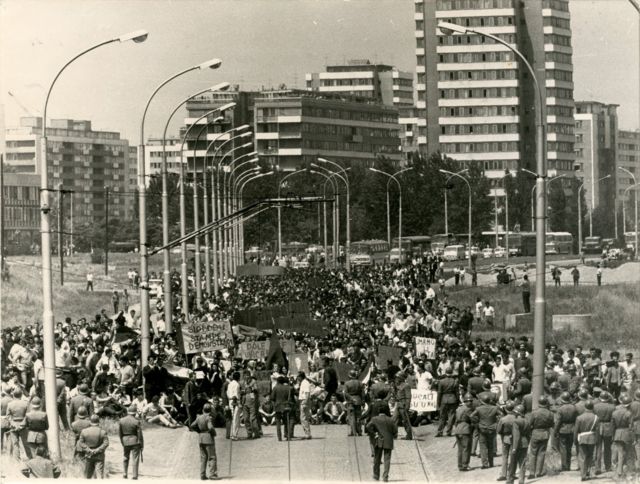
1, 212
106, 231
60, 228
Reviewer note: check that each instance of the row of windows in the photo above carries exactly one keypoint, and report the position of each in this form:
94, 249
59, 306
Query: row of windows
478, 93
347, 82
481, 75
350, 115
279, 111
22, 143
562, 165
479, 111
335, 130
628, 146
498, 21
21, 193
560, 92
561, 23
453, 129
495, 147
342, 146
559, 75
560, 111
22, 214
556, 39
471, 4
466, 57
557, 57
403, 82
20, 156
560, 128
628, 158
474, 39
561, 146
562, 5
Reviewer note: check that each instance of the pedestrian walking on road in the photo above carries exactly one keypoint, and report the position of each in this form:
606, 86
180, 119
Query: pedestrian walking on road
403, 395
526, 293
130, 431
485, 417
447, 401
282, 397
384, 431
599, 275
203, 424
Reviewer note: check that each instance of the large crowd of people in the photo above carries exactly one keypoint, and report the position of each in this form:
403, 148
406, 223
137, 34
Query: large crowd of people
483, 385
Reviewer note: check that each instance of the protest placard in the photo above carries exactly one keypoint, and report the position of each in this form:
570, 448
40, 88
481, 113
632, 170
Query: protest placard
500, 390
205, 336
298, 362
424, 400
386, 353
426, 346
288, 346
253, 350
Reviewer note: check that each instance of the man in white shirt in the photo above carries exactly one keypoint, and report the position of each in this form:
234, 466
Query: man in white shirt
233, 394
424, 378
304, 396
630, 372
489, 313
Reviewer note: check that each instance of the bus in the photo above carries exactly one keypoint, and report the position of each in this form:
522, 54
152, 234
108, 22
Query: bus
630, 240
440, 241
559, 243
414, 245
369, 252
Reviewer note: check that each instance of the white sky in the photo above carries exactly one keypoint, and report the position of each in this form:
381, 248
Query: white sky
261, 42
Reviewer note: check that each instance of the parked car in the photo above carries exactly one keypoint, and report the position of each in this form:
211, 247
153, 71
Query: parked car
614, 254
499, 252
454, 252
301, 264
514, 251
487, 253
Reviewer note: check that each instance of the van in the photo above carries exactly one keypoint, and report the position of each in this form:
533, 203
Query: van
454, 252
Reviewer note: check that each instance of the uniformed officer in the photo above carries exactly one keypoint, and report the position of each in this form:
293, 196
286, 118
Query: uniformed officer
475, 383
203, 424
583, 396
447, 401
522, 386
485, 417
36, 424
82, 399
587, 422
250, 398
40, 466
622, 421
604, 410
4, 422
16, 411
354, 398
463, 430
505, 431
403, 396
79, 424
61, 398
521, 434
131, 438
542, 421
634, 408
554, 397
93, 443
565, 420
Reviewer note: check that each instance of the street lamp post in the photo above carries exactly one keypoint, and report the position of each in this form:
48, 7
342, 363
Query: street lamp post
280, 210
345, 178
166, 253
236, 229
394, 178
336, 208
45, 232
591, 209
328, 179
446, 204
635, 199
533, 190
242, 220
469, 228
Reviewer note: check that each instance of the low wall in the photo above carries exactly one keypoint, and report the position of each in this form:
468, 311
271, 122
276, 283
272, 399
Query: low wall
574, 322
522, 322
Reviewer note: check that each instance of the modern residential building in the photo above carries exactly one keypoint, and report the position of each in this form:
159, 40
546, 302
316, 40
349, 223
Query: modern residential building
154, 152
408, 133
380, 82
81, 159
596, 127
21, 194
293, 128
476, 101
628, 157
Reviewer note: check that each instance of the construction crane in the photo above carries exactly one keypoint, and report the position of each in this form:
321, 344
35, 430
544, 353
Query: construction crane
22, 106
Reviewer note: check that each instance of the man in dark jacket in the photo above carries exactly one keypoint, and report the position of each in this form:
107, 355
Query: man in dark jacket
403, 396
485, 417
447, 401
153, 378
384, 430
130, 431
82, 399
40, 466
604, 411
505, 431
542, 421
282, 397
587, 422
36, 424
354, 399
93, 443
463, 431
203, 424
520, 433
565, 420
622, 421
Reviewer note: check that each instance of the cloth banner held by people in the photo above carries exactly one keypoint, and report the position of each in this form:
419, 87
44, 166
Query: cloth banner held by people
263, 317
253, 350
386, 353
298, 362
204, 336
426, 346
177, 371
424, 400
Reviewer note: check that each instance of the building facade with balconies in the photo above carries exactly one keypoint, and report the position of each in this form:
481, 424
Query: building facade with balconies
628, 157
476, 102
21, 194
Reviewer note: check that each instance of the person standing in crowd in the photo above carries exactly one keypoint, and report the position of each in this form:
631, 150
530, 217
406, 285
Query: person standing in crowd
354, 399
282, 397
92, 444
115, 300
403, 396
40, 466
153, 378
604, 411
463, 431
521, 434
203, 424
489, 313
622, 421
542, 421
250, 400
132, 440
526, 294
89, 281
447, 401
16, 411
565, 418
80, 423
36, 425
585, 435
505, 431
234, 397
304, 397
485, 417
383, 430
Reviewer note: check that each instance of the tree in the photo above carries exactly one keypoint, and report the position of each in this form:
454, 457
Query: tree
518, 188
557, 208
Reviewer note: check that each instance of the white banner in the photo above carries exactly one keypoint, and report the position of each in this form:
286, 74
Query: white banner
424, 400
426, 346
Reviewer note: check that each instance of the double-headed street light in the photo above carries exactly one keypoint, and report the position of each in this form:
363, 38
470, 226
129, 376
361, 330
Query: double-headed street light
541, 211
394, 178
45, 232
166, 253
458, 175
345, 178
328, 179
446, 205
533, 191
280, 183
244, 219
590, 215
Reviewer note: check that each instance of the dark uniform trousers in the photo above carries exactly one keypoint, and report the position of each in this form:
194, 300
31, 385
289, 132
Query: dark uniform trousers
518, 453
565, 444
36, 426
505, 431
585, 458
284, 419
447, 413
623, 441
206, 439
542, 420
93, 442
463, 436
131, 437
604, 411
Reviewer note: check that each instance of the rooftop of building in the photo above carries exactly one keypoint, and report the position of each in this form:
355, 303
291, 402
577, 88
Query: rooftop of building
75, 127
284, 94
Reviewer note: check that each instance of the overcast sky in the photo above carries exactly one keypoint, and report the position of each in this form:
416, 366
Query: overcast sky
261, 43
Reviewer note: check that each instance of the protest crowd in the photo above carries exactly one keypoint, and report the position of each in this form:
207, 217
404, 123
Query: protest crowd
319, 346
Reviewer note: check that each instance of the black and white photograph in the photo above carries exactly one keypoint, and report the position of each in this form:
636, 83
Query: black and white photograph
320, 240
